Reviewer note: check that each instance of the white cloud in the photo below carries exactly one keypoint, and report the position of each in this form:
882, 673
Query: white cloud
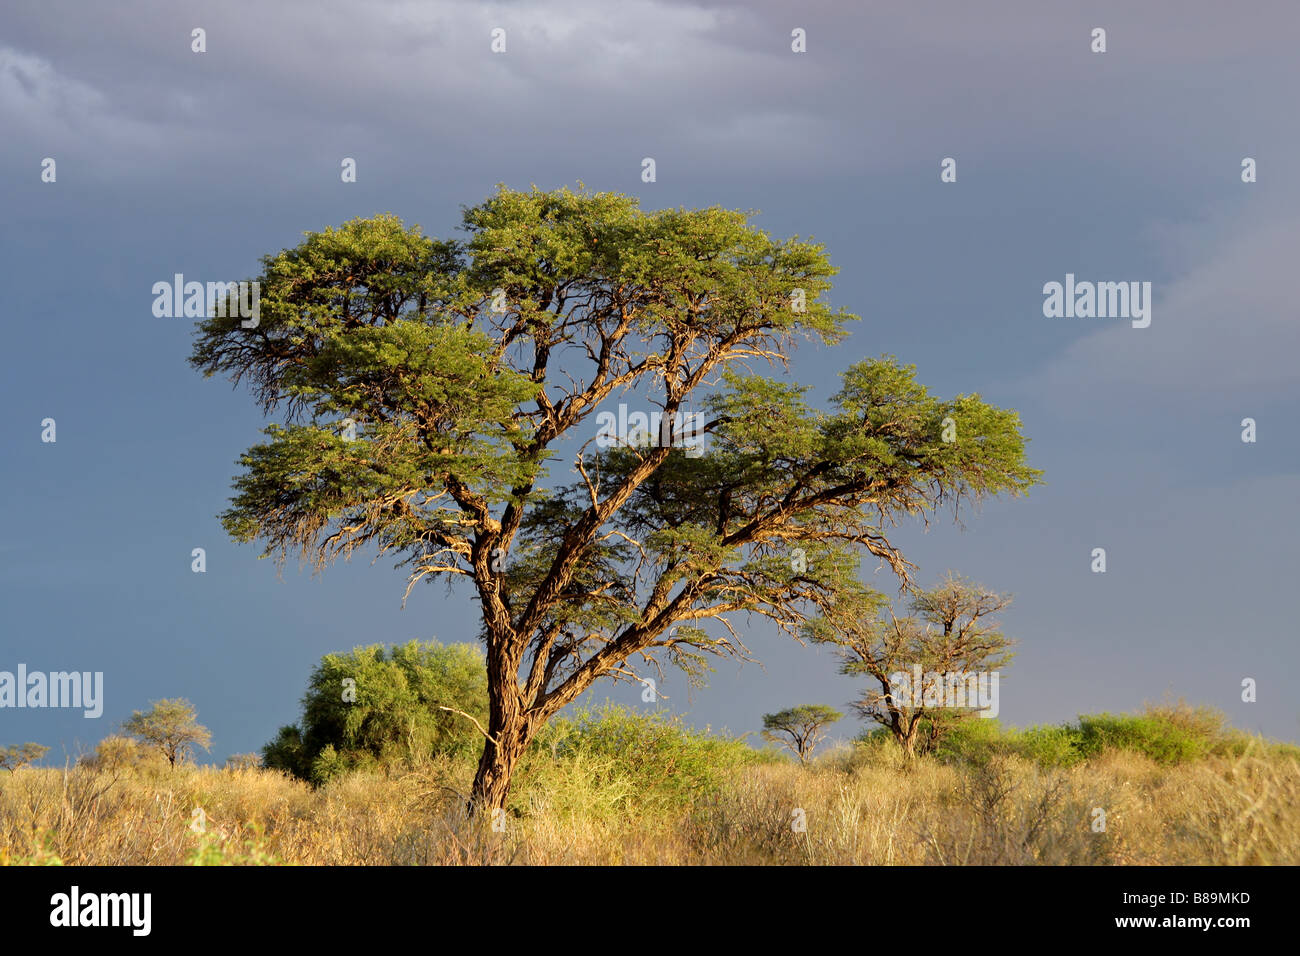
56, 112
32, 91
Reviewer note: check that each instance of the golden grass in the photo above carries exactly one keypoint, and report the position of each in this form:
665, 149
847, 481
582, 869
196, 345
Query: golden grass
857, 810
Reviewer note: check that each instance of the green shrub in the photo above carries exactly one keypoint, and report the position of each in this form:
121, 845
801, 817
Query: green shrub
383, 707
644, 759
1049, 746
874, 737
1167, 734
973, 741
329, 763
875, 750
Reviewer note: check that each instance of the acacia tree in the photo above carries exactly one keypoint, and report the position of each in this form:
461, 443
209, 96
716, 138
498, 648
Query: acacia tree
800, 728
949, 632
426, 384
19, 756
171, 726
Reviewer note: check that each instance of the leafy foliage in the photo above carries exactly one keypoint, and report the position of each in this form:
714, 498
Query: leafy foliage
651, 758
245, 848
377, 706
1165, 733
1152, 734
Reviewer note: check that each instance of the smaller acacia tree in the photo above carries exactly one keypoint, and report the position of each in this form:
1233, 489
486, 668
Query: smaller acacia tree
15, 758
949, 638
800, 728
171, 726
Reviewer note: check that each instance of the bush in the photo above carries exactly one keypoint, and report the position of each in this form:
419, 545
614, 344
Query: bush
646, 758
114, 753
874, 737
374, 707
118, 754
976, 742
973, 741
876, 749
1168, 734
286, 753
1049, 746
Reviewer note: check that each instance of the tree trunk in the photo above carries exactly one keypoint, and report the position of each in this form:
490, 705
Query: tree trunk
907, 737
495, 767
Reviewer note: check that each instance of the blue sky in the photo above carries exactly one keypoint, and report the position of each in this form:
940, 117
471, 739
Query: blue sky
1115, 166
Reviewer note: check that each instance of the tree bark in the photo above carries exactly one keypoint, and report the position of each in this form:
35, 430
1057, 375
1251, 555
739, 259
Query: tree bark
497, 765
907, 737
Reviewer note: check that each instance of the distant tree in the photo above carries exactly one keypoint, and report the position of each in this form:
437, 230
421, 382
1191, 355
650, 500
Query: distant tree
17, 757
244, 762
800, 728
950, 630
384, 706
171, 726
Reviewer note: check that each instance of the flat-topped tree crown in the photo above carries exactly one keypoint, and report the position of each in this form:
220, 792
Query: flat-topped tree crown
426, 385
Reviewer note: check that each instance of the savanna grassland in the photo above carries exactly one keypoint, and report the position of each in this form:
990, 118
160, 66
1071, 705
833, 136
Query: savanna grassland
618, 787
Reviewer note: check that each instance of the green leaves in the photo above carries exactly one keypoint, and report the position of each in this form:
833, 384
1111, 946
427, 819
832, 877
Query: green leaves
763, 424
916, 450
382, 706
802, 715
424, 404
370, 272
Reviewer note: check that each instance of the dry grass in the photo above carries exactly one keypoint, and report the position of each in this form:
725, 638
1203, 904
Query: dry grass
857, 810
